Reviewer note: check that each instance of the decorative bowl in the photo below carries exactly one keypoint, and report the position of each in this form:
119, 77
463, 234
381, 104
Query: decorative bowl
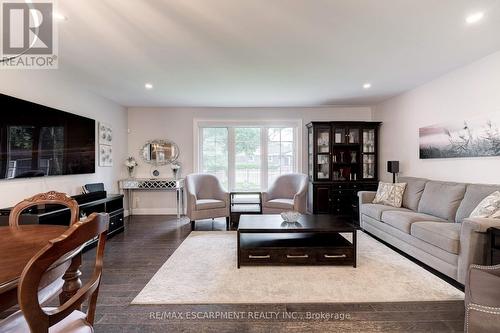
290, 216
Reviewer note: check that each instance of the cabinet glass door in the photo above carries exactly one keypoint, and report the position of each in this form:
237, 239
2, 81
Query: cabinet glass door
353, 135
369, 155
368, 141
323, 140
339, 135
323, 167
369, 166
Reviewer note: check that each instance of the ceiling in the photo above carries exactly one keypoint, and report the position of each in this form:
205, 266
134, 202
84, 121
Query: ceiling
223, 53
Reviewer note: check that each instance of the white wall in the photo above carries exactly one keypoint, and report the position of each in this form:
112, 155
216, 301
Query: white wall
51, 88
471, 91
176, 124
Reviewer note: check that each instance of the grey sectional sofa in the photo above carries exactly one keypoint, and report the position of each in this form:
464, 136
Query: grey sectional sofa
433, 224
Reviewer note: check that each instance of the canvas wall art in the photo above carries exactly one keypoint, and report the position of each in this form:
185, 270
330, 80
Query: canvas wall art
105, 156
105, 134
462, 138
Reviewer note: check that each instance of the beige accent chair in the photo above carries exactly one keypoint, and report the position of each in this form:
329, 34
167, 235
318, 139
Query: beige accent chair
288, 192
206, 198
482, 299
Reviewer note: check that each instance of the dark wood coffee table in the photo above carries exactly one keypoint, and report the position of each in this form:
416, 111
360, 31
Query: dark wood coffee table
313, 240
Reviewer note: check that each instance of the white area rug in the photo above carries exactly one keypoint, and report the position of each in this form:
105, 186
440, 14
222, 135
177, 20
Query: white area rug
203, 271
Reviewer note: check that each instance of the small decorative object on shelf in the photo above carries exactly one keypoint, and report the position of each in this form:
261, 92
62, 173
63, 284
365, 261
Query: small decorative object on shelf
290, 216
176, 167
131, 163
353, 157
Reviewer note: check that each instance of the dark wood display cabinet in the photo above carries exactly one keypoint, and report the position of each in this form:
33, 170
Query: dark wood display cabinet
342, 160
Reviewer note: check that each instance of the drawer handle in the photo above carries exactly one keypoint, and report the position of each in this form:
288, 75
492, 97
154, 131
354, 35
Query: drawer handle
259, 257
335, 256
303, 256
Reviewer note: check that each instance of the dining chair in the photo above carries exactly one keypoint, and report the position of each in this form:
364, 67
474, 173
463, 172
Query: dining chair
67, 317
287, 192
52, 282
48, 198
206, 198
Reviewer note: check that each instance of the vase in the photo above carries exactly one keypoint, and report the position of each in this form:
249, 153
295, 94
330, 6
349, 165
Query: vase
131, 172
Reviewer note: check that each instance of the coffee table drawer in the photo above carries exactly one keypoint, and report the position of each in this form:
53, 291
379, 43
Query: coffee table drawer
258, 256
338, 255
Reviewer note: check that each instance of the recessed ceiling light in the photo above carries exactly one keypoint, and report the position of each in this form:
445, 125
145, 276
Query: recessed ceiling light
148, 86
367, 86
59, 16
474, 18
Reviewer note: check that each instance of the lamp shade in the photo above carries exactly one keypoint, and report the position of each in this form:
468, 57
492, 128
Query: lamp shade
393, 166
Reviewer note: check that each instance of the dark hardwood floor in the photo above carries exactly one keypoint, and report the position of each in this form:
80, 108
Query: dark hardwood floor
134, 256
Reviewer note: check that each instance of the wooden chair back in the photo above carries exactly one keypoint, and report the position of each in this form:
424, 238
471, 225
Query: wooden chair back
48, 198
77, 235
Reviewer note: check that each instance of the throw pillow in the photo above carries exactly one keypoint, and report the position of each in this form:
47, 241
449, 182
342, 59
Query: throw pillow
488, 207
390, 194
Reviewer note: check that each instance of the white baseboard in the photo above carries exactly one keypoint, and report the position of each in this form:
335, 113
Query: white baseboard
154, 211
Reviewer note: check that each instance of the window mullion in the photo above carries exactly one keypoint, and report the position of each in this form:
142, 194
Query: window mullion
231, 159
264, 158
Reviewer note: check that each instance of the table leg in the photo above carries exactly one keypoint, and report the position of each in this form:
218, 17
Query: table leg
71, 279
129, 201
178, 192
182, 200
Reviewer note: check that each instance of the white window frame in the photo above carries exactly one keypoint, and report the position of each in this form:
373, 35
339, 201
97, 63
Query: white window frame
230, 124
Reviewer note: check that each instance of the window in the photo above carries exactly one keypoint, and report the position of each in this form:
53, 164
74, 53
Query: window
214, 152
247, 157
280, 152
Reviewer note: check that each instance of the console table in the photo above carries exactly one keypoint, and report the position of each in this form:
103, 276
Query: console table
146, 184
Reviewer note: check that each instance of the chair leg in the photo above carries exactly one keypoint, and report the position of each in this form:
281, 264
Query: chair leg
227, 223
192, 225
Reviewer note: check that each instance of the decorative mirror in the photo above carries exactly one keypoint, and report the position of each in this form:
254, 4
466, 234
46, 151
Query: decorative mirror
159, 152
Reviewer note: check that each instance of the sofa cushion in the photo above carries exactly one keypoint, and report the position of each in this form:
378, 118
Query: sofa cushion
441, 199
474, 194
490, 206
413, 192
286, 204
209, 204
390, 194
404, 220
375, 210
443, 235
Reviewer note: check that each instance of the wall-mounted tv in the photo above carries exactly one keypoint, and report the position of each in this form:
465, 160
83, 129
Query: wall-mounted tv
37, 141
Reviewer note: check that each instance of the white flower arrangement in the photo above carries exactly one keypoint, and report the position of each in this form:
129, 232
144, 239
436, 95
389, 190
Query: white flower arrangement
131, 162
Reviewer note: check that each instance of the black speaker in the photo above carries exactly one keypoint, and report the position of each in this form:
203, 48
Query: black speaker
393, 166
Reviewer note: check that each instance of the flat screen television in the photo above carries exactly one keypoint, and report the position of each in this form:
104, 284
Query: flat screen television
37, 141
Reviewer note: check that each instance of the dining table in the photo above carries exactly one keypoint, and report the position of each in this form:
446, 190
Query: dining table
18, 245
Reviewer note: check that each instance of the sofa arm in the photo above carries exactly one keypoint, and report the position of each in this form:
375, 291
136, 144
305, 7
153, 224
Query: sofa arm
473, 240
191, 205
366, 196
265, 197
